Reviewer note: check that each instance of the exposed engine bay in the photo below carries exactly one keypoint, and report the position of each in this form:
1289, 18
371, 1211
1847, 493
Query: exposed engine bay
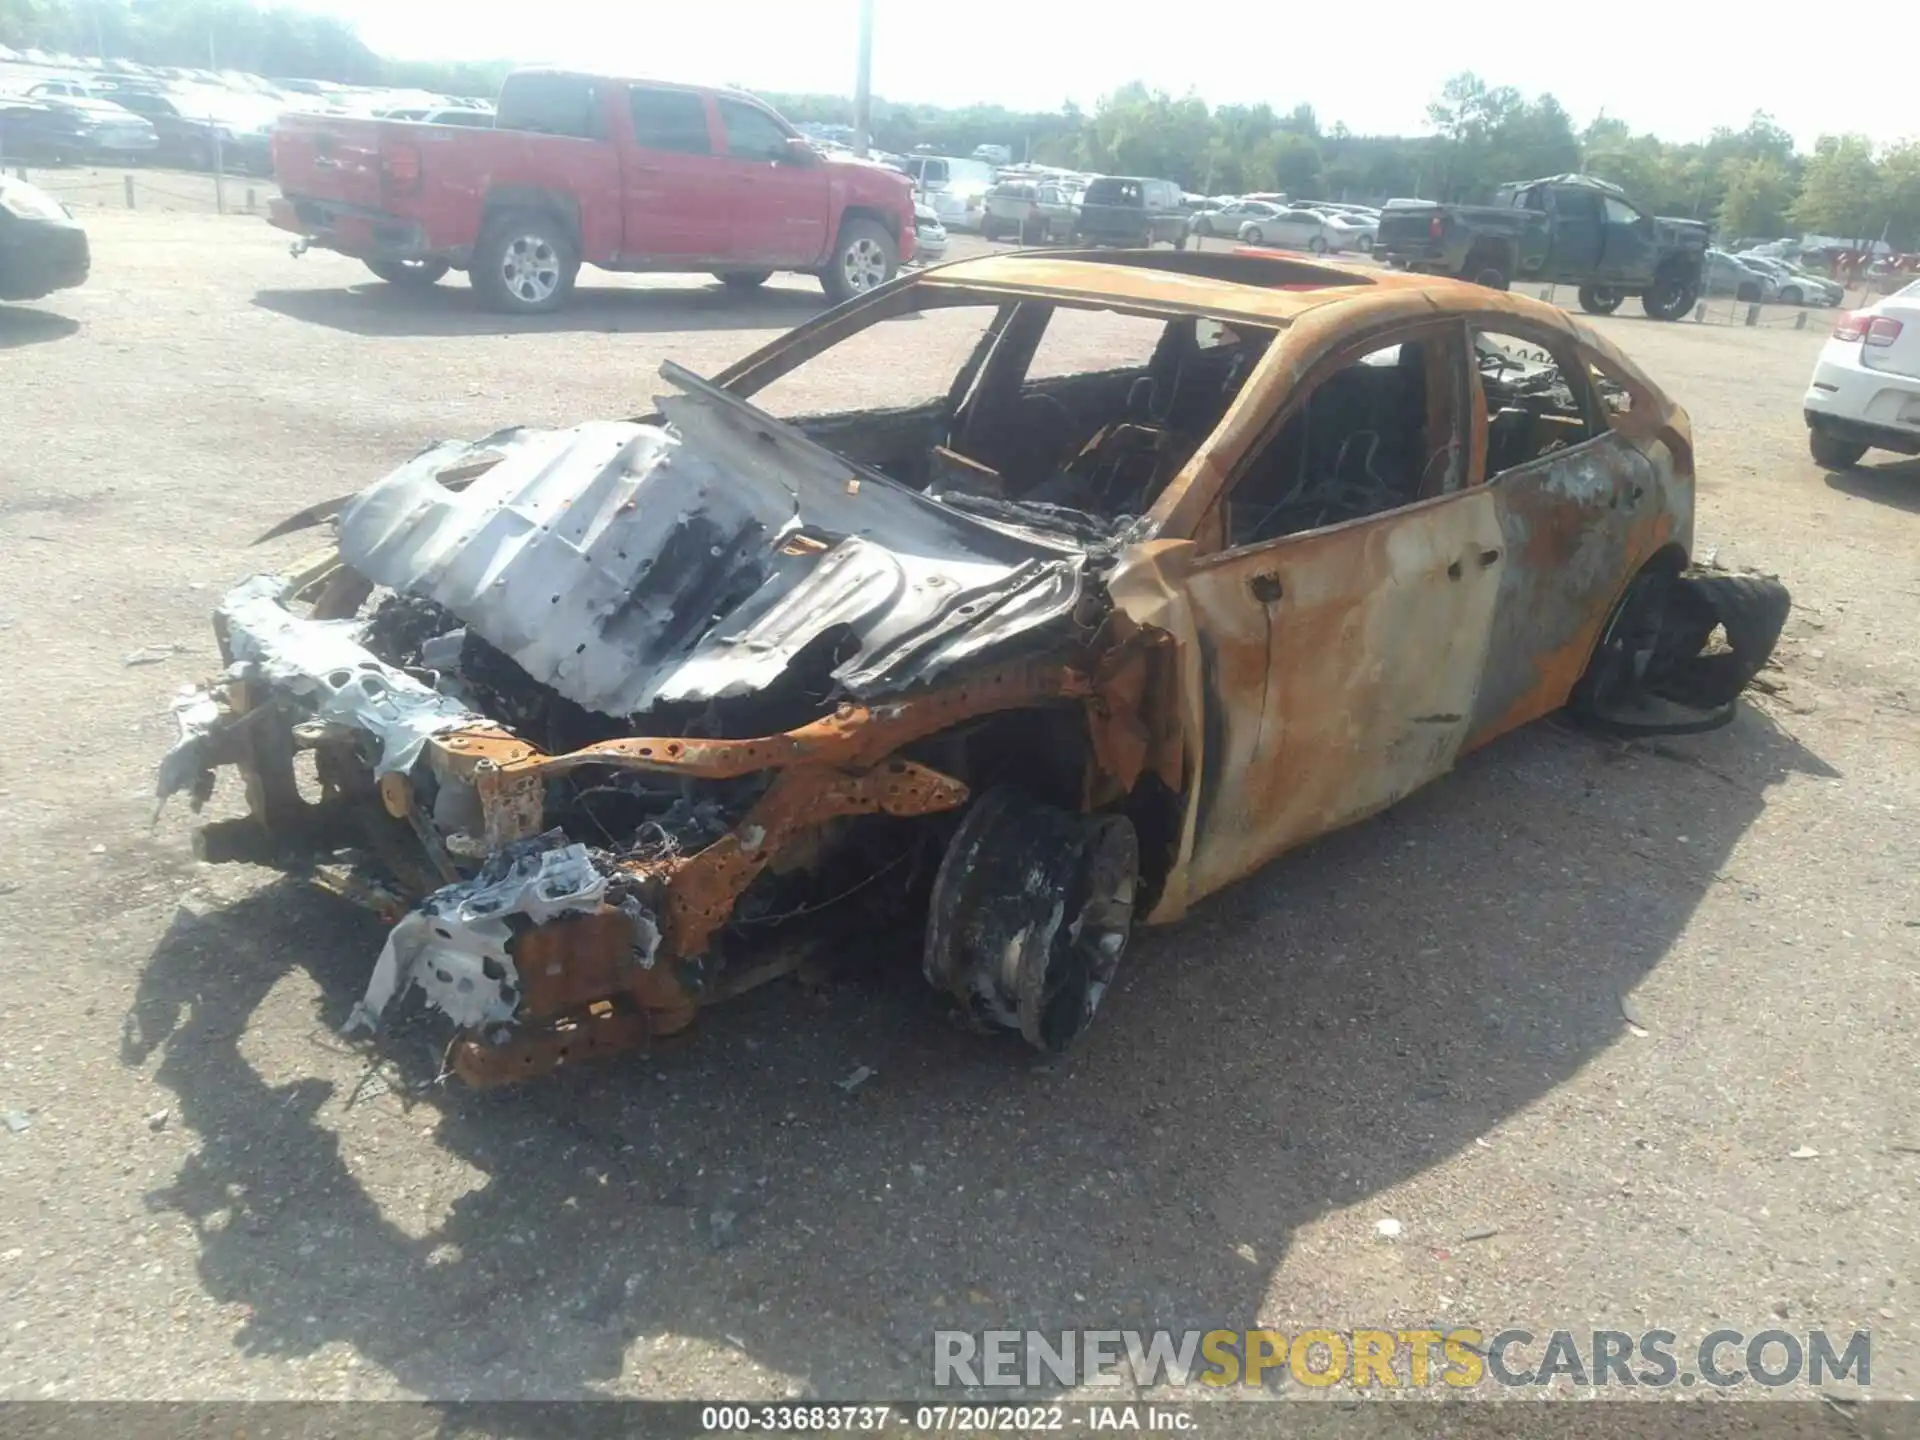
627, 702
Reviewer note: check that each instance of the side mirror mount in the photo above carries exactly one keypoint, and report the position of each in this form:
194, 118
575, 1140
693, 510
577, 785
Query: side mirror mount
798, 152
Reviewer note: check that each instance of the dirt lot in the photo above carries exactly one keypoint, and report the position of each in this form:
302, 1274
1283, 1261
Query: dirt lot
204, 1192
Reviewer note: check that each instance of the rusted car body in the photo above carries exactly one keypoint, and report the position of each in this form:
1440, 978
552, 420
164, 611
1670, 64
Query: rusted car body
633, 700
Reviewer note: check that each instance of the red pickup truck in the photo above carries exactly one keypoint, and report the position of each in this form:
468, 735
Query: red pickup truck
623, 174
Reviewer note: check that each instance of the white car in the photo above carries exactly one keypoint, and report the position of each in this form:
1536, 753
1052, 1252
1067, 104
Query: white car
956, 187
1797, 287
1302, 229
1229, 218
929, 235
1866, 384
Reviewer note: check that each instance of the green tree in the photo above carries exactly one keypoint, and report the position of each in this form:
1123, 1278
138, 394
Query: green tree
1756, 196
1900, 194
1839, 189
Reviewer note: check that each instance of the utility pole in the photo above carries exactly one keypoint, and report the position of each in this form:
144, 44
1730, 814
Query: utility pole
863, 85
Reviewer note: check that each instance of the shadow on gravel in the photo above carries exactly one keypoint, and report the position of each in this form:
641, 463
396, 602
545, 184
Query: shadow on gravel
1896, 484
20, 326
1349, 1017
375, 309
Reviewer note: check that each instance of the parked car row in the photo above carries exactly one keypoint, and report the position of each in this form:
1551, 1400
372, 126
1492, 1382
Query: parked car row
62, 128
1793, 284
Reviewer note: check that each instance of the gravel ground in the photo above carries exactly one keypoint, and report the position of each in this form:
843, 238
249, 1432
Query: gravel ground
205, 1193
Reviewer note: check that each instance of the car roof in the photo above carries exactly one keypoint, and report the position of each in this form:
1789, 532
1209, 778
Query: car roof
1267, 289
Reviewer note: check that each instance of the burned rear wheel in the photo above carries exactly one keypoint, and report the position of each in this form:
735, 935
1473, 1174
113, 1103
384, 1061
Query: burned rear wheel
1031, 912
1678, 650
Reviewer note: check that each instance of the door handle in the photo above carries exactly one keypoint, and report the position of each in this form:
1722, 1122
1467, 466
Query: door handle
1265, 586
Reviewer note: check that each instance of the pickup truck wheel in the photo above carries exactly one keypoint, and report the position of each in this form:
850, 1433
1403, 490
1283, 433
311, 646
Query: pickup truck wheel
864, 256
524, 265
1669, 298
1600, 299
744, 279
1834, 452
1488, 272
416, 274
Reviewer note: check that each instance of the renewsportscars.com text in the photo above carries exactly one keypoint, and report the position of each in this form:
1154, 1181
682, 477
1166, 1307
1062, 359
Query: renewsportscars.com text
1399, 1359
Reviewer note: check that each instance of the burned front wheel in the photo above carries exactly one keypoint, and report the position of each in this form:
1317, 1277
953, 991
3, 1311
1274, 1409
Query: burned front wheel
1031, 912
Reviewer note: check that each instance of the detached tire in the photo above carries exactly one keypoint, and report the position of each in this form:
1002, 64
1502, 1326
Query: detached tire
524, 264
864, 257
414, 274
1600, 299
1834, 452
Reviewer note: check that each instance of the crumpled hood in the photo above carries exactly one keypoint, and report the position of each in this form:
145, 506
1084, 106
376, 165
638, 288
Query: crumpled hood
627, 564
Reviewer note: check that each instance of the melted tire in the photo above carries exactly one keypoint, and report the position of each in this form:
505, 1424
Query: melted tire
1031, 912
1651, 674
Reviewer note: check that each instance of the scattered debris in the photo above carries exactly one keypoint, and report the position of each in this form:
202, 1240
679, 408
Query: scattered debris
153, 654
16, 1120
723, 1228
157, 1121
1485, 1232
1388, 1229
858, 1078
1805, 1152
1630, 1011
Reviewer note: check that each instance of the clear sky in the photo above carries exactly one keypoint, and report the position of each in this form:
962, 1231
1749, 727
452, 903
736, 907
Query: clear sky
1673, 68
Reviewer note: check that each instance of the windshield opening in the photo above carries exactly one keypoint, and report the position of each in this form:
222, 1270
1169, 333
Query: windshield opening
1052, 409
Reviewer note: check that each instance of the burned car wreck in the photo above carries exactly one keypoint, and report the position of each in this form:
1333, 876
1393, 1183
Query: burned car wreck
606, 721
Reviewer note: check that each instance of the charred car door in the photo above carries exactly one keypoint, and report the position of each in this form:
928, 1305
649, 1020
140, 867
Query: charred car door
1342, 623
1581, 503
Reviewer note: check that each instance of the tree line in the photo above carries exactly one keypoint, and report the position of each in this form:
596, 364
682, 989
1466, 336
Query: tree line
1746, 182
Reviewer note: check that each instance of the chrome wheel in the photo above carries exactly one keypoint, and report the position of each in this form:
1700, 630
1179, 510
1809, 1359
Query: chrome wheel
864, 264
530, 268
